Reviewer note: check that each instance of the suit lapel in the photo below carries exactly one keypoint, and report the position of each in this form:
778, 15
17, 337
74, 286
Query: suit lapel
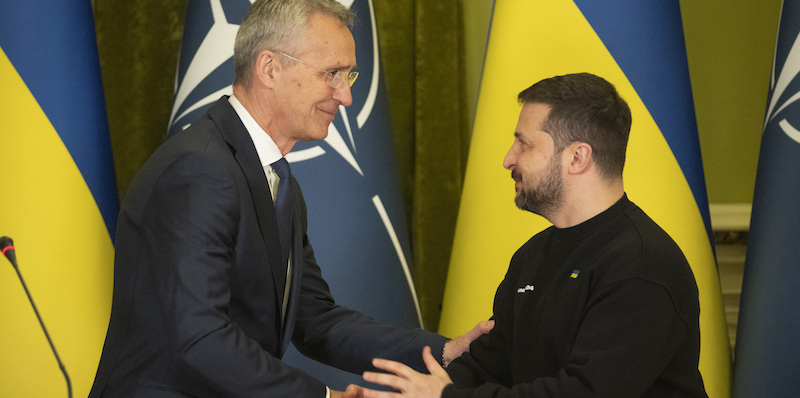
235, 134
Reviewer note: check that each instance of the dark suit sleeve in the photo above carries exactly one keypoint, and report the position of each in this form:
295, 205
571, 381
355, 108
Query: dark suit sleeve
193, 229
345, 338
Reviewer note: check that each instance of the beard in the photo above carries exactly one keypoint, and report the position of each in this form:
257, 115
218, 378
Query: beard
547, 195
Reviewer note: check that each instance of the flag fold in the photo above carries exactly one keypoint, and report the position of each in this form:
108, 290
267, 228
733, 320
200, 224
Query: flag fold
638, 47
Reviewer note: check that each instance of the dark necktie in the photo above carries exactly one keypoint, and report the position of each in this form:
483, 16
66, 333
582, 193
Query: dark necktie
283, 207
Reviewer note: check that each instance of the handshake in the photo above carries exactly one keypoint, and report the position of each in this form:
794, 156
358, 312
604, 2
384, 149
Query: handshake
409, 383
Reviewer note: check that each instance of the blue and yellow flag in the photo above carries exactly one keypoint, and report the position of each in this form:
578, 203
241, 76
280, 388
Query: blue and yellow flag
639, 47
59, 199
356, 220
767, 346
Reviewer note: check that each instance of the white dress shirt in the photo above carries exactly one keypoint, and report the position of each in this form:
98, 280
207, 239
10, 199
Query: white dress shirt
268, 153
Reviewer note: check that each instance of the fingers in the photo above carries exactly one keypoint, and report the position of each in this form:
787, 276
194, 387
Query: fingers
393, 367
454, 348
482, 327
367, 393
399, 376
353, 391
396, 378
407, 381
384, 379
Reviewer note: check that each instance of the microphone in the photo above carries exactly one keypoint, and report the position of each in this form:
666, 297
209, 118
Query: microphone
7, 248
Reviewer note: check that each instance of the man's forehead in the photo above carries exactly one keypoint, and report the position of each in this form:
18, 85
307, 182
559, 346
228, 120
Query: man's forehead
531, 117
331, 40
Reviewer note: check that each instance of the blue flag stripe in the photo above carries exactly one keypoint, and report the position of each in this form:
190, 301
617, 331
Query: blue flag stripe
656, 67
63, 74
769, 316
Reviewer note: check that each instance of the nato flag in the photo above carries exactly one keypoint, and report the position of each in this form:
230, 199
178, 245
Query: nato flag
767, 348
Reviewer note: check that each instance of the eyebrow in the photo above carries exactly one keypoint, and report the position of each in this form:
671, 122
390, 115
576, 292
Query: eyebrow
340, 67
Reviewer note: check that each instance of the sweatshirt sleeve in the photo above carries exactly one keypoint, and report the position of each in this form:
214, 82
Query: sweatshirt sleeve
613, 355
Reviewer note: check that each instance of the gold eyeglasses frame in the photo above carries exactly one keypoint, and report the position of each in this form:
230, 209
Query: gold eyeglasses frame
336, 77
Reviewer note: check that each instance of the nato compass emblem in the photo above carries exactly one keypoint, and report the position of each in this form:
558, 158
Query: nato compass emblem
785, 88
355, 210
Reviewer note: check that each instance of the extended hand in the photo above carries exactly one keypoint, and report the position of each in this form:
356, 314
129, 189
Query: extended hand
407, 381
454, 348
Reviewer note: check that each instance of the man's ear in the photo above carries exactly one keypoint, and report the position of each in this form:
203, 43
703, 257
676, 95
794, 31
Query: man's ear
581, 157
267, 68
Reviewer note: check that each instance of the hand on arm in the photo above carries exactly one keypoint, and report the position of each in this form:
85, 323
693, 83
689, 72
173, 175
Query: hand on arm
454, 348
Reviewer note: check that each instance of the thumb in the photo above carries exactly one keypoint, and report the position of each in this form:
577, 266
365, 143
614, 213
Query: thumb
482, 327
432, 363
353, 391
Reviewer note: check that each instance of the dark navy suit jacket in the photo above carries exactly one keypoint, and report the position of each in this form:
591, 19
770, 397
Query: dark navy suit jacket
199, 284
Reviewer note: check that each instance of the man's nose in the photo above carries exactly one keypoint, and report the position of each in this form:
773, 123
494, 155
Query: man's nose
343, 94
510, 160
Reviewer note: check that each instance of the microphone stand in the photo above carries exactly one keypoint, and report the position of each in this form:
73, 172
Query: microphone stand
47, 335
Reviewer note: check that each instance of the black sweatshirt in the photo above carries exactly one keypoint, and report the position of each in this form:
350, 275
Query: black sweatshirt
607, 308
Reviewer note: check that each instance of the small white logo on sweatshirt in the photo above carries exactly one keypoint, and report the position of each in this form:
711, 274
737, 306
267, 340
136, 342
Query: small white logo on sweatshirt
527, 288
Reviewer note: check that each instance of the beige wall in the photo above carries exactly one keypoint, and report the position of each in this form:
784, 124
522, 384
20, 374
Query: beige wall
729, 46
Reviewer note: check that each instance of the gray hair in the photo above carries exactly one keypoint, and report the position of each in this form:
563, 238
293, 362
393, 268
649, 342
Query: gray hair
278, 25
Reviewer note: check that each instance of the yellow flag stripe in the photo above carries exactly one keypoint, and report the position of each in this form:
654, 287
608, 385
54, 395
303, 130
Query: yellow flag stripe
63, 248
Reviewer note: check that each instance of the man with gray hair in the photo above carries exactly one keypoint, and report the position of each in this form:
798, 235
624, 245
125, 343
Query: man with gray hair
214, 272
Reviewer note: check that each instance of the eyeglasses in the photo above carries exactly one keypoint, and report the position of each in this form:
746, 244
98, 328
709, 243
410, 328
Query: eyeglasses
335, 78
